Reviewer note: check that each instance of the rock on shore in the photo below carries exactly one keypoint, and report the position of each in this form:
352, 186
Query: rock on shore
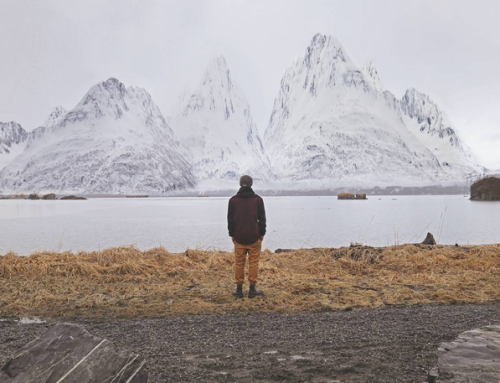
68, 352
473, 357
487, 189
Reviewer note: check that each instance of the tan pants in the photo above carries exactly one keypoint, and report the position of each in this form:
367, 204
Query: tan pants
240, 253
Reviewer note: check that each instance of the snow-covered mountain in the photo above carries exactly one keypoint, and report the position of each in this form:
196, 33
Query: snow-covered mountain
114, 141
432, 127
215, 125
13, 140
333, 124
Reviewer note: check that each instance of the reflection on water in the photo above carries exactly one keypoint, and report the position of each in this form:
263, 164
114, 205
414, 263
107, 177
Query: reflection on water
293, 222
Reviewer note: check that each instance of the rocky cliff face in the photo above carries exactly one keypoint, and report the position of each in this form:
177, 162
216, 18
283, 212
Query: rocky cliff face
13, 140
432, 127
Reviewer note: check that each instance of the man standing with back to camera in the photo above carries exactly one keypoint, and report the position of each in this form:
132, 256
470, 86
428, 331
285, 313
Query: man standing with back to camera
246, 222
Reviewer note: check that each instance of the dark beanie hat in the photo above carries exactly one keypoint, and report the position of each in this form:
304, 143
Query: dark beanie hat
246, 181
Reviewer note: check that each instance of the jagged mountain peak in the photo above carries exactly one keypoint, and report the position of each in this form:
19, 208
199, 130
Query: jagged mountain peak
413, 94
372, 76
324, 50
111, 98
104, 99
56, 116
217, 74
215, 124
11, 132
325, 71
216, 92
59, 110
217, 63
325, 67
113, 86
113, 90
4, 126
13, 140
322, 42
433, 128
420, 106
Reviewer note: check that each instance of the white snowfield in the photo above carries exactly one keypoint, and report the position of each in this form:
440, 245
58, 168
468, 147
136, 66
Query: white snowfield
333, 125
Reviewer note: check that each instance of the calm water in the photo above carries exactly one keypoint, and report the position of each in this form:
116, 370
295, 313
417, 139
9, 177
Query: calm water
293, 222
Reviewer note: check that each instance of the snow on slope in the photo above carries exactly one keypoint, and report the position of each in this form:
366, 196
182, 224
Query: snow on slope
215, 125
56, 116
13, 140
333, 125
371, 75
432, 127
114, 141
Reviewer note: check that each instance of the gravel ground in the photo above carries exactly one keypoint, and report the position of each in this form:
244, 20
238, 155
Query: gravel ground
396, 344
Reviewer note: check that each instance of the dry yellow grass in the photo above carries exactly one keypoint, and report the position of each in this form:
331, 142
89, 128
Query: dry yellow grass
129, 282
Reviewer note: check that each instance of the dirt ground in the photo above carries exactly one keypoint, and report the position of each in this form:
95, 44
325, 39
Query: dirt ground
393, 343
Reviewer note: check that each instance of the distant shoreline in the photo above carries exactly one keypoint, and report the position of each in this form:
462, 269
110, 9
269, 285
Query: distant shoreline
376, 191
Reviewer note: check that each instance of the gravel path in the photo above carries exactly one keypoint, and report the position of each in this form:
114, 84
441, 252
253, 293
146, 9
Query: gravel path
396, 344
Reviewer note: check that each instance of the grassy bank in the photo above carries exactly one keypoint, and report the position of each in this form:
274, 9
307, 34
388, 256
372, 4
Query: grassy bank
129, 282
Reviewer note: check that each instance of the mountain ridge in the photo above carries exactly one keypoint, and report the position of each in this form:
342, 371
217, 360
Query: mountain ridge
333, 123
115, 140
13, 141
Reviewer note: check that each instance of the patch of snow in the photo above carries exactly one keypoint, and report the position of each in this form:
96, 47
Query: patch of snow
26, 320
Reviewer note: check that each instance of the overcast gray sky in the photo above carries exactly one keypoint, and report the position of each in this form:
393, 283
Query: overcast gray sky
52, 51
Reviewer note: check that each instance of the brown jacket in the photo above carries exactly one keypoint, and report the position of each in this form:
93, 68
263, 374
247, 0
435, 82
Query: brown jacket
246, 217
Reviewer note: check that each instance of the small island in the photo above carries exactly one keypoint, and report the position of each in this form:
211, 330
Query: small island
351, 196
486, 189
50, 196
72, 197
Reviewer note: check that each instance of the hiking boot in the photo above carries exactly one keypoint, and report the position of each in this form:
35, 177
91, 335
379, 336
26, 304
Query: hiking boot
238, 293
254, 292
